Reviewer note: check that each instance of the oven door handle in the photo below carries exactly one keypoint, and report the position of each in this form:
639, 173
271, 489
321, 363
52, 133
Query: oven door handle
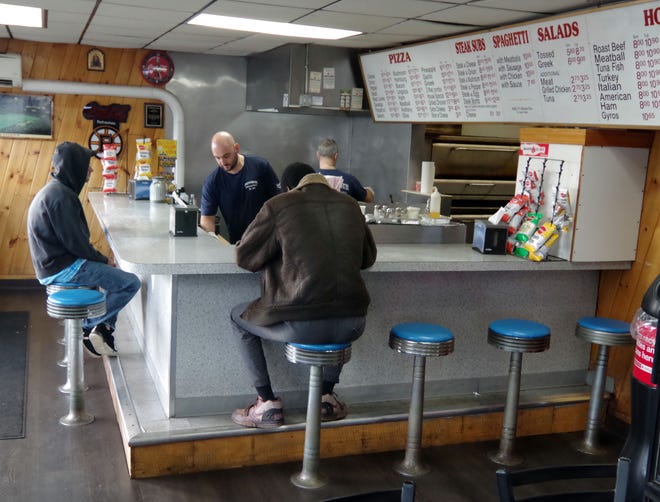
481, 184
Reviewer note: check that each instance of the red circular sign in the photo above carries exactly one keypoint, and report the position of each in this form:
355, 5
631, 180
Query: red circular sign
157, 68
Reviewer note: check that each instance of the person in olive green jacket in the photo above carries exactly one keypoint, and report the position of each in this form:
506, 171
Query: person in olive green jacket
310, 243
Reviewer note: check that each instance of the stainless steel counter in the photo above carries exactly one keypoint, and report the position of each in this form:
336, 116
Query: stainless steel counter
180, 321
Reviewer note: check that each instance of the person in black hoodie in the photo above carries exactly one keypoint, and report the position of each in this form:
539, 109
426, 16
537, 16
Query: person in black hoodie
59, 241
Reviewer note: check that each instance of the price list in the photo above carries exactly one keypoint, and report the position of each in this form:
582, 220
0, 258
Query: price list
477, 79
646, 56
597, 68
565, 75
515, 66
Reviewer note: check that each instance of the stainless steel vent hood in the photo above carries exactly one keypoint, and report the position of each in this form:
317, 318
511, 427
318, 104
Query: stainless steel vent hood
286, 70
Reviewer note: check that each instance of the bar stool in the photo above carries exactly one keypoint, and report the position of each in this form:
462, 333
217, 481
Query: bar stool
65, 388
316, 356
421, 340
74, 305
605, 333
515, 336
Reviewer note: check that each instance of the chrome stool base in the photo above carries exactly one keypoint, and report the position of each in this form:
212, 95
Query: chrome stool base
515, 336
316, 356
74, 305
605, 333
420, 340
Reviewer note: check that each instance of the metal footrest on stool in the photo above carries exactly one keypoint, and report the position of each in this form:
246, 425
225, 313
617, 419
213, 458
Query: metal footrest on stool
605, 333
420, 340
74, 305
316, 356
516, 336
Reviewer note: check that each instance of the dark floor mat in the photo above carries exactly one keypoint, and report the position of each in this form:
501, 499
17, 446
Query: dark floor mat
13, 365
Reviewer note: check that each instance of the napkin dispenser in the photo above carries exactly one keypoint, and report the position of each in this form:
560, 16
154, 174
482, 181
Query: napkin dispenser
489, 238
183, 220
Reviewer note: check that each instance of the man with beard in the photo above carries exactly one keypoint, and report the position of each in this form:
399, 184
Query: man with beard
238, 187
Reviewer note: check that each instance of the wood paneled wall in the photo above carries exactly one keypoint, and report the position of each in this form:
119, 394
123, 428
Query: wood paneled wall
620, 293
25, 163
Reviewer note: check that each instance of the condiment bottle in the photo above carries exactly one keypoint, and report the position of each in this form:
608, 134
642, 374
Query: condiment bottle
434, 206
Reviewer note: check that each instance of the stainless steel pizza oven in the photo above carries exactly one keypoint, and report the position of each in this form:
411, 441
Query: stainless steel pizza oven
478, 173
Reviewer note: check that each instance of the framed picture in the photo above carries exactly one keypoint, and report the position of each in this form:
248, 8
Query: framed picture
26, 116
95, 60
153, 115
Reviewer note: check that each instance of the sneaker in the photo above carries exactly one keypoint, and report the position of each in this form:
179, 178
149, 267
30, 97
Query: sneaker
261, 414
332, 408
87, 343
102, 340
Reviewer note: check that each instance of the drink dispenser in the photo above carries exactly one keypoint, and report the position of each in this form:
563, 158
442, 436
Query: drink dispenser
641, 446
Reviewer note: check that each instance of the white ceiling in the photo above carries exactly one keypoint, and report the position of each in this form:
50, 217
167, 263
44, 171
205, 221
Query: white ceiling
161, 24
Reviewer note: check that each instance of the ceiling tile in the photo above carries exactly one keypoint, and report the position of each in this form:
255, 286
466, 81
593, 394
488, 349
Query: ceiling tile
256, 11
480, 16
358, 22
190, 6
417, 30
542, 5
393, 8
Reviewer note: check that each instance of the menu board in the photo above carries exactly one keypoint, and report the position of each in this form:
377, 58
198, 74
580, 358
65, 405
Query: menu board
601, 68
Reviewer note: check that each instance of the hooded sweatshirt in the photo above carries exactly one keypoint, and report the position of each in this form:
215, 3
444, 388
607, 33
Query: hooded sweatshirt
57, 229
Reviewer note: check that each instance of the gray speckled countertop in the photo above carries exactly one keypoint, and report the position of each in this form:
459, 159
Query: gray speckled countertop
138, 233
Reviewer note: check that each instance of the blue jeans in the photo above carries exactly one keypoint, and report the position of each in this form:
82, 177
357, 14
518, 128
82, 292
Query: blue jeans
314, 332
119, 287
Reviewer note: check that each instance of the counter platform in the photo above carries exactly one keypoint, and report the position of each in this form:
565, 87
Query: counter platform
181, 332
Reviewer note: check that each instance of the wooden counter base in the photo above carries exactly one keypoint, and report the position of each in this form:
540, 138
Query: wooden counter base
548, 411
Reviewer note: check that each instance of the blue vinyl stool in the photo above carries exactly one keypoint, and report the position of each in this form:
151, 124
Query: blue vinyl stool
516, 336
421, 340
65, 388
74, 305
316, 356
605, 333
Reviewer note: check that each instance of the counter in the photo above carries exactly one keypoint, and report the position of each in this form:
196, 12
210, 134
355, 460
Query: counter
189, 284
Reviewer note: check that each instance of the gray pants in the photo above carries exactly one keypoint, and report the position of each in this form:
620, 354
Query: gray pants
314, 332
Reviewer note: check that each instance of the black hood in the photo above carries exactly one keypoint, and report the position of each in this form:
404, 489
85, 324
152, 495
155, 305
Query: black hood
70, 165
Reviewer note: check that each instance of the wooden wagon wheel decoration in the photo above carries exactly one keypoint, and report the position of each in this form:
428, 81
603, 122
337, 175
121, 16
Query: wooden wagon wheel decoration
104, 135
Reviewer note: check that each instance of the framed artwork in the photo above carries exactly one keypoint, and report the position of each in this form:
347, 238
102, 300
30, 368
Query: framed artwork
153, 115
26, 116
95, 60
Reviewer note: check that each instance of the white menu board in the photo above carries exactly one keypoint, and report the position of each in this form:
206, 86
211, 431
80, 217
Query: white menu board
600, 68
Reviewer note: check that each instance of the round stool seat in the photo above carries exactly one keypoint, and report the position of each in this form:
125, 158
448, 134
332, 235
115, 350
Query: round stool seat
421, 339
318, 355
76, 304
604, 331
519, 335
59, 286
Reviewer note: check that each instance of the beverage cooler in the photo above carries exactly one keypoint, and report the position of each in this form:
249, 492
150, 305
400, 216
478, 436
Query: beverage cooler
642, 446
596, 177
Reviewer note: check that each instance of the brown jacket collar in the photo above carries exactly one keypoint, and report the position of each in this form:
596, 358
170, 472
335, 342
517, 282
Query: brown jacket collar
309, 179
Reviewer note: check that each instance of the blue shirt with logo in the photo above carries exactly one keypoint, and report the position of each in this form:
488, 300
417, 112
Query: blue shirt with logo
239, 196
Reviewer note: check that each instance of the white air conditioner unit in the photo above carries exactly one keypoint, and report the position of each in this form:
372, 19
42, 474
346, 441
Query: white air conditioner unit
10, 70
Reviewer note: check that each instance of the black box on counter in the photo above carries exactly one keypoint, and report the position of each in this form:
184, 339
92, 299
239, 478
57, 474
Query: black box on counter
183, 221
489, 238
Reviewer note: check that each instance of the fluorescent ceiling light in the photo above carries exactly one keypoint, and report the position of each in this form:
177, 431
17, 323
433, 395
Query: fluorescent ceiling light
271, 27
17, 15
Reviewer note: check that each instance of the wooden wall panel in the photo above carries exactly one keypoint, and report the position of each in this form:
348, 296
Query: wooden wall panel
25, 163
621, 292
